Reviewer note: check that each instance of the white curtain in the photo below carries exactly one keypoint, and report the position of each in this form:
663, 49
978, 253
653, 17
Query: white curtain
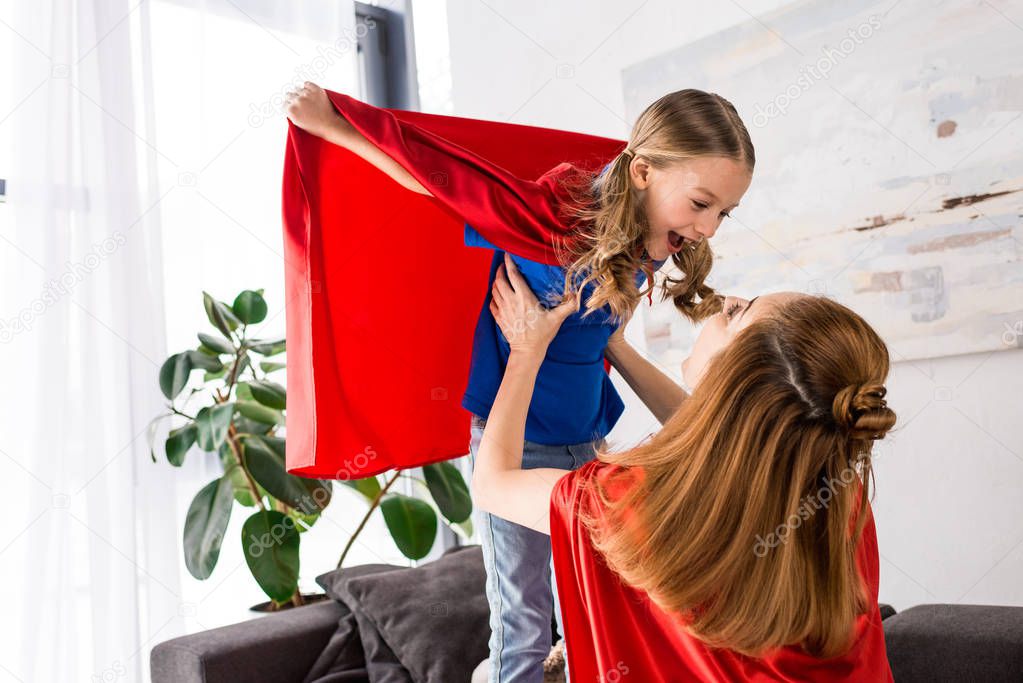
142, 146
220, 71
82, 341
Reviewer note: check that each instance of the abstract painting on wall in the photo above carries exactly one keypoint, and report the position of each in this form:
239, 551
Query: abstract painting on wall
889, 170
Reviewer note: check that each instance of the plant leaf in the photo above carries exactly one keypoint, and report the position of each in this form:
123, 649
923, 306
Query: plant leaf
412, 523
367, 486
270, 394
243, 425
464, 528
250, 307
266, 462
211, 425
208, 376
449, 491
205, 524
270, 543
260, 413
216, 343
242, 391
267, 348
269, 366
242, 364
174, 374
307, 521
220, 315
178, 442
151, 434
276, 444
205, 361
233, 471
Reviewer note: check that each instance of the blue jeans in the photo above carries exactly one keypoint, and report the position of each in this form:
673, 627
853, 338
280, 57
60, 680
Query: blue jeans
521, 588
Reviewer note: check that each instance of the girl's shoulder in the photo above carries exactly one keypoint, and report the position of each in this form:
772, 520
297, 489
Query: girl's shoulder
563, 170
559, 180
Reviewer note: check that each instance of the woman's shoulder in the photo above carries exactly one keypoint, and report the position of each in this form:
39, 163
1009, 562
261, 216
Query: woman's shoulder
577, 493
613, 478
617, 478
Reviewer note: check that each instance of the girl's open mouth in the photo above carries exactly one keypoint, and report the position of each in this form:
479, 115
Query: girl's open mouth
676, 240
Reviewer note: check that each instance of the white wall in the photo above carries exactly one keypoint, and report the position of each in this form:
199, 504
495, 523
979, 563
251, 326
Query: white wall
949, 480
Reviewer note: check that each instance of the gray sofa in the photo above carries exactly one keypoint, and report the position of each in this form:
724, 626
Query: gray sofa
933, 643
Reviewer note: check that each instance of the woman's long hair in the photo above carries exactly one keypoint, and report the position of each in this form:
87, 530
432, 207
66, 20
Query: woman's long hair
608, 248
787, 411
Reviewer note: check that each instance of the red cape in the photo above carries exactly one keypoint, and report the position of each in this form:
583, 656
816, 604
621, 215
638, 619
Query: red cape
382, 295
614, 631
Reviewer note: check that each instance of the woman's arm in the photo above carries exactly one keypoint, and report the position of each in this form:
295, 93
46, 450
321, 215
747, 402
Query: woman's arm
658, 391
310, 109
499, 484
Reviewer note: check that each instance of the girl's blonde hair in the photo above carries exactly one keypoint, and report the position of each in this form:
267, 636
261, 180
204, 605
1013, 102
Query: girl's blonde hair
607, 248
788, 411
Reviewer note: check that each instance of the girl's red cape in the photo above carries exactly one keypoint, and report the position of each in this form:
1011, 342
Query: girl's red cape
382, 296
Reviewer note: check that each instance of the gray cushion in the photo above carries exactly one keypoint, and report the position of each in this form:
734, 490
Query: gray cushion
951, 643
327, 580
356, 653
435, 618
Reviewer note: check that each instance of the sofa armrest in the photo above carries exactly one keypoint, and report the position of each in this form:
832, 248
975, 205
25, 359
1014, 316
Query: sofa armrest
280, 647
956, 643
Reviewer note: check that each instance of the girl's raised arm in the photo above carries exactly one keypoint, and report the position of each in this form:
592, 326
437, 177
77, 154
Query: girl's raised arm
310, 109
659, 392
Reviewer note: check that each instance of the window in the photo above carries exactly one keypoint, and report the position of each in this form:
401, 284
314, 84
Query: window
219, 77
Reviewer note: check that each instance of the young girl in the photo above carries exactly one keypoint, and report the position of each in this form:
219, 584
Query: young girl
688, 163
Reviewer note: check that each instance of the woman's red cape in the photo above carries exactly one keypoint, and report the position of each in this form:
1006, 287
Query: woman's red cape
614, 632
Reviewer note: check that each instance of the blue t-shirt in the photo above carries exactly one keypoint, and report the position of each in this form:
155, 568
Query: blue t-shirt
574, 400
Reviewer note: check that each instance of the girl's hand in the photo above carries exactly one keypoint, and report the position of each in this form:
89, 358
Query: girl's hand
528, 327
310, 109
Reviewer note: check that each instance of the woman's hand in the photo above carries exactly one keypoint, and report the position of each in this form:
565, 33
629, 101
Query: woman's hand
618, 336
310, 109
528, 326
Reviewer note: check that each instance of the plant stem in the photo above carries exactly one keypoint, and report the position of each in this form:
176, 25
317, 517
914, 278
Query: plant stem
234, 368
178, 412
421, 481
231, 436
373, 506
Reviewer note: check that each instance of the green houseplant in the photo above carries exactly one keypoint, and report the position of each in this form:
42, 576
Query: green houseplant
240, 414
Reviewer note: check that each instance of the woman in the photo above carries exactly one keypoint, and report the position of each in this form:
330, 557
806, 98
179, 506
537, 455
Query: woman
729, 546
688, 163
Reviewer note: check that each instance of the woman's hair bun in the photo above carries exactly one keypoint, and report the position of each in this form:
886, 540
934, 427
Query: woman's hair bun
862, 412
